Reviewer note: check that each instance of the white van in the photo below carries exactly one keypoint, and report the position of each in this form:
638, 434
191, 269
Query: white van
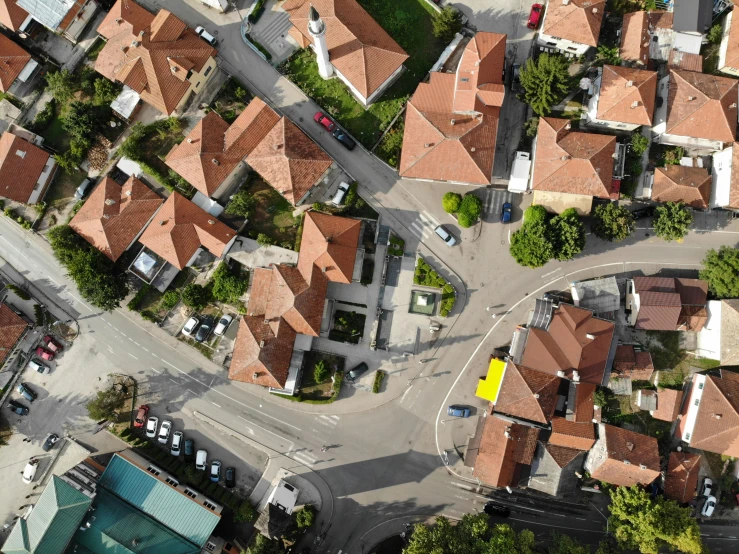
30, 472
201, 460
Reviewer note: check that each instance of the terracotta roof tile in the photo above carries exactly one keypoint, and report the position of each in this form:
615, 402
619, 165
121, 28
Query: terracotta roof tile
643, 367
668, 404
629, 459
685, 60
329, 242
479, 82
561, 454
21, 166
732, 46
627, 95
699, 105
12, 327
692, 318
261, 281
678, 183
298, 301
262, 355
571, 161
659, 303
12, 15
499, 455
113, 216
717, 424
631, 364
580, 436
578, 21
527, 394
13, 59
152, 41
180, 228
584, 403
625, 359
635, 37
681, 480
358, 47
693, 292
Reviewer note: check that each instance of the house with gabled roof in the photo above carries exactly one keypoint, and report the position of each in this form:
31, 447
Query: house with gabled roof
451, 122
622, 457
157, 56
572, 434
68, 18
622, 98
26, 170
505, 448
16, 65
631, 363
12, 16
571, 26
666, 303
709, 417
669, 402
679, 183
12, 329
361, 53
527, 394
681, 480
697, 111
645, 36
114, 216
554, 469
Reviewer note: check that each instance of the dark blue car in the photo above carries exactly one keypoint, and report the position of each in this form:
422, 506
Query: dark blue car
505, 215
458, 411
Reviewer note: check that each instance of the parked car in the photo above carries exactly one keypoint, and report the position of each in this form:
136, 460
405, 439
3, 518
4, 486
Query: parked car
344, 139
516, 78
52, 344
44, 354
506, 213
709, 506
190, 326
189, 449
151, 427
206, 36
707, 487
205, 328
51, 440
176, 443
215, 471
493, 509
356, 371
322, 119
535, 16
201, 460
338, 199
140, 419
458, 411
30, 471
230, 477
445, 235
38, 366
17, 408
223, 324
83, 189
26, 392
164, 430
642, 213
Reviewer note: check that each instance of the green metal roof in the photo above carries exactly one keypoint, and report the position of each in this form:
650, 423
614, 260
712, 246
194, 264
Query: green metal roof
119, 528
169, 506
51, 523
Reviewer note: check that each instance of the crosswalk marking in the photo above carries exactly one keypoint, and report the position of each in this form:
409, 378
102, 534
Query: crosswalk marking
329, 421
304, 458
424, 225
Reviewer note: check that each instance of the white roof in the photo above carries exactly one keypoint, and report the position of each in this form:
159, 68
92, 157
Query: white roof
207, 204
47, 12
129, 167
28, 70
721, 175
709, 338
126, 102
284, 496
520, 172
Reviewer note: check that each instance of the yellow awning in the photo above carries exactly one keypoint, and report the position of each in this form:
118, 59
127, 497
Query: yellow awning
489, 387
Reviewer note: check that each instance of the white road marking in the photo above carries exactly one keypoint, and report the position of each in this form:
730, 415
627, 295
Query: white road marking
551, 272
405, 393
123, 334
462, 497
133, 341
303, 458
175, 382
134, 357
145, 349
11, 244
267, 430
191, 392
216, 405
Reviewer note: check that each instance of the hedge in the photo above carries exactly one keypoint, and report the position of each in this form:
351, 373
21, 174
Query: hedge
379, 376
136, 300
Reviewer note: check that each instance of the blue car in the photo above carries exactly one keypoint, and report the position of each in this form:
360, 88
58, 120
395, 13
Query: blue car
505, 216
458, 411
215, 471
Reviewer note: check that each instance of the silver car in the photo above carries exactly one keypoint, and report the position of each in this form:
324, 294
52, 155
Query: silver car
38, 366
176, 443
164, 432
223, 324
338, 199
151, 427
445, 235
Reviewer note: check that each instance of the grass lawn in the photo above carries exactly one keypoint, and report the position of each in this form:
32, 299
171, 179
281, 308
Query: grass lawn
63, 188
272, 214
152, 301
55, 136
309, 388
674, 364
409, 24
97, 47
389, 149
231, 100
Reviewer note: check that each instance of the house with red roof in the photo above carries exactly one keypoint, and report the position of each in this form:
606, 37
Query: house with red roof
681, 480
666, 303
679, 183
646, 35
12, 329
26, 170
622, 98
622, 457
16, 65
505, 449
571, 26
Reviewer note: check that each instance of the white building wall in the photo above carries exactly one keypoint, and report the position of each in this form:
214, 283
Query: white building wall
591, 117
721, 177
709, 338
219, 5
562, 44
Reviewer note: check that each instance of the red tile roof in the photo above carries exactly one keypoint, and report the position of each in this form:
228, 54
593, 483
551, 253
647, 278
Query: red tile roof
629, 458
681, 480
21, 165
261, 281
499, 454
298, 301
668, 404
685, 60
575, 341
699, 105
12, 327
358, 47
572, 161
578, 21
329, 243
146, 53
570, 434
627, 95
635, 37
262, 352
113, 216
717, 424
560, 454
13, 59
677, 183
584, 402
635, 365
11, 14
180, 228
527, 394
663, 302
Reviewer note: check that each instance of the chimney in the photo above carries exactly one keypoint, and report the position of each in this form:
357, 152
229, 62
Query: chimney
595, 10
163, 222
211, 222
324, 269
215, 162
261, 343
109, 202
255, 375
128, 193
454, 121
717, 416
189, 141
118, 20
591, 337
141, 33
642, 466
427, 145
691, 98
472, 149
635, 104
565, 2
630, 445
507, 432
536, 395
134, 43
627, 462
124, 49
560, 373
575, 376
629, 83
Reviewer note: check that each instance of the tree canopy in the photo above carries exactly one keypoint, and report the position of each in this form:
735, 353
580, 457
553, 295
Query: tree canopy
447, 23
543, 237
672, 221
451, 202
649, 525
228, 284
612, 222
242, 204
105, 404
469, 210
721, 270
545, 81
568, 234
195, 296
61, 85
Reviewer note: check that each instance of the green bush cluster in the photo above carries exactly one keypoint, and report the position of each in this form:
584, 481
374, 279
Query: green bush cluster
427, 277
257, 12
467, 208
396, 247
320, 372
543, 237
379, 377
195, 296
133, 304
169, 300
448, 299
38, 315
228, 285
44, 118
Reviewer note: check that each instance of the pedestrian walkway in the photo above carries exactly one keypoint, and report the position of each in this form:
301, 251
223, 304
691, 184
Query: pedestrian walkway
271, 31
423, 226
493, 200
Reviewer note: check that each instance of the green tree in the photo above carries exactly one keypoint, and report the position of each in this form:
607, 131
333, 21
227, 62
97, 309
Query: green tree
242, 204
469, 210
227, 285
545, 81
170, 299
64, 242
451, 202
600, 398
639, 144
83, 121
264, 240
568, 235
447, 23
609, 545
564, 544
715, 34
531, 127
607, 55
131, 147
263, 545
612, 222
531, 246
320, 372
61, 85
195, 296
105, 404
105, 91
672, 221
305, 517
246, 512
674, 155
649, 525
535, 213
721, 270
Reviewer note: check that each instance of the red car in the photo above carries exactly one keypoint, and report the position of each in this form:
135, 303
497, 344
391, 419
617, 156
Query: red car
41, 352
52, 344
323, 119
140, 419
535, 16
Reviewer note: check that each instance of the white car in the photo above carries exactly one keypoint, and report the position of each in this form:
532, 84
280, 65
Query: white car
38, 366
338, 199
201, 460
223, 324
707, 487
151, 427
190, 326
30, 471
206, 36
445, 235
164, 432
176, 443
709, 506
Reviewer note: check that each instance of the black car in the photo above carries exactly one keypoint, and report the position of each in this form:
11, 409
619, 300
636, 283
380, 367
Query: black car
356, 371
206, 327
230, 477
344, 139
51, 440
493, 509
641, 213
189, 449
16, 408
26, 392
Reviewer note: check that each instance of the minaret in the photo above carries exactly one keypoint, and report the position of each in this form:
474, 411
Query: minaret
317, 30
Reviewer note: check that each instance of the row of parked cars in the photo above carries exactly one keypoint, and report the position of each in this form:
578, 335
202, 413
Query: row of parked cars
47, 351
201, 328
180, 445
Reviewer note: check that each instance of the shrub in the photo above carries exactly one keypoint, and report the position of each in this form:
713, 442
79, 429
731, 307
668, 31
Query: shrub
133, 304
306, 516
715, 34
612, 222
320, 372
246, 512
336, 388
105, 404
379, 376
44, 117
170, 300
447, 23
38, 315
264, 240
451, 202
242, 204
469, 210
195, 296
639, 144
228, 286
673, 155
